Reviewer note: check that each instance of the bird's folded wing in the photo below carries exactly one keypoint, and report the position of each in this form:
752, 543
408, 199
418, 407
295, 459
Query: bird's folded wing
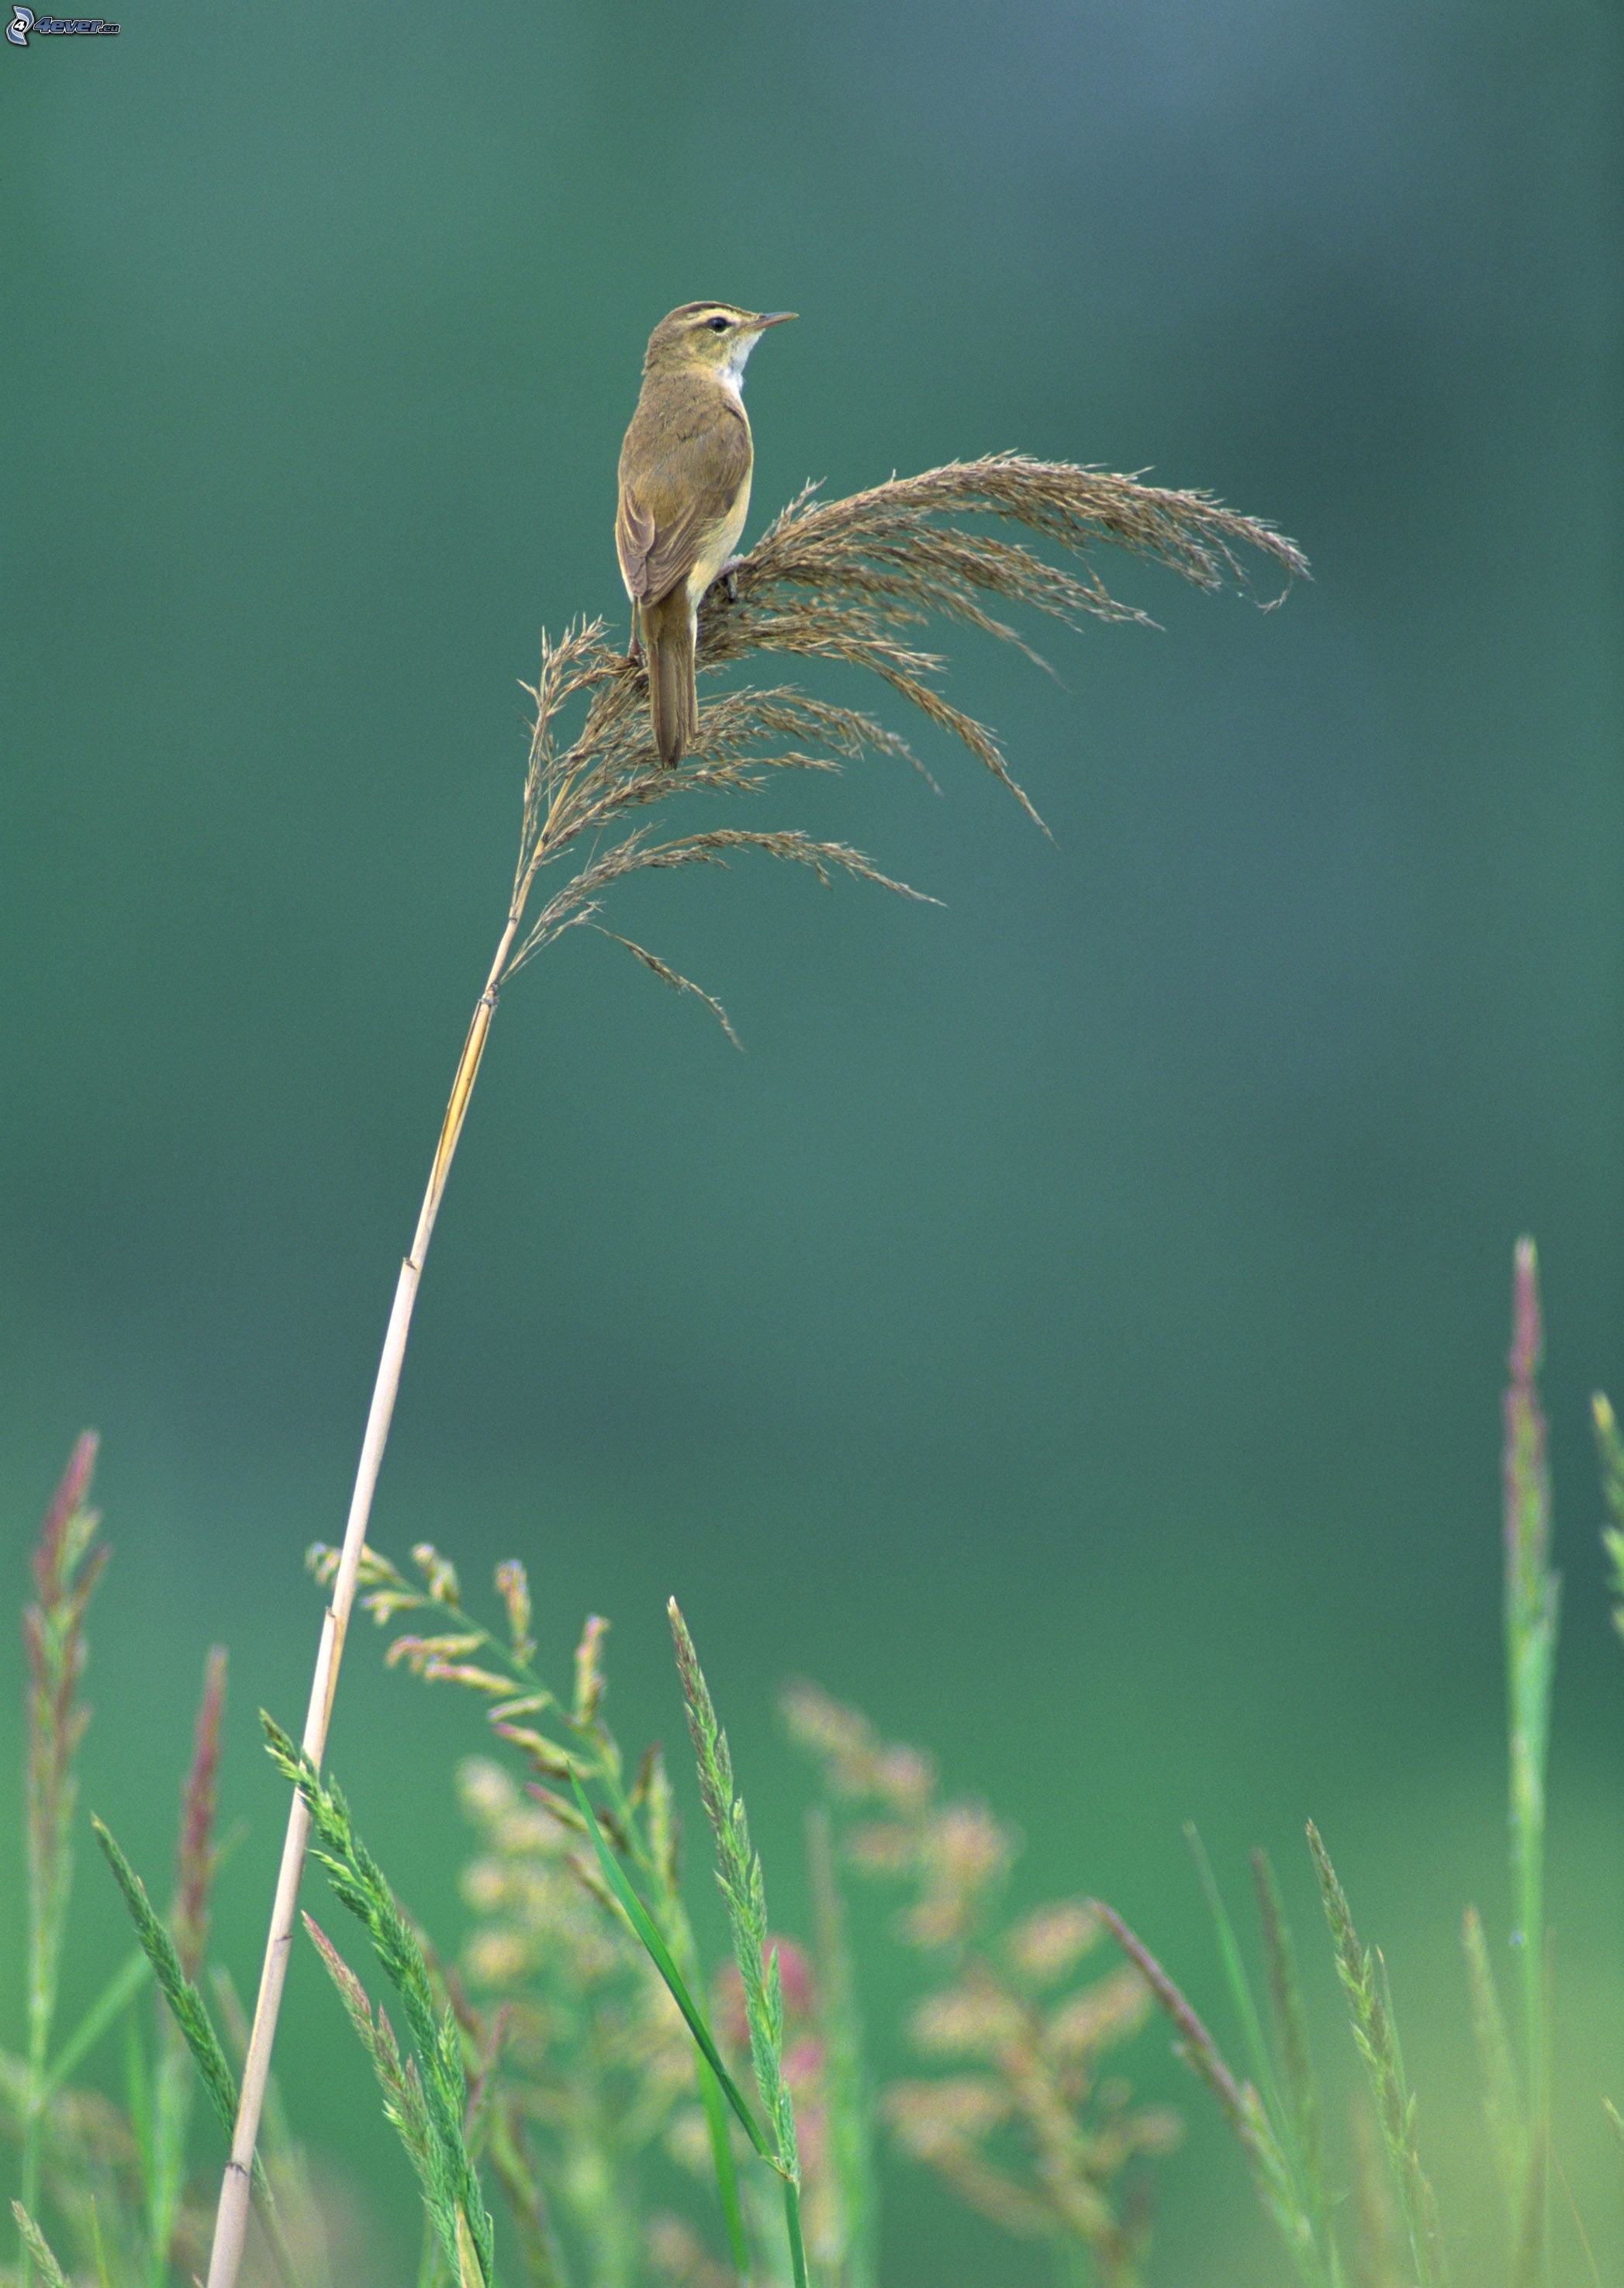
665, 516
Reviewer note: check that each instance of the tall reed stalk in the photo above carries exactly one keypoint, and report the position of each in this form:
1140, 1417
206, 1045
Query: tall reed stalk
231, 2221
848, 580
1531, 1606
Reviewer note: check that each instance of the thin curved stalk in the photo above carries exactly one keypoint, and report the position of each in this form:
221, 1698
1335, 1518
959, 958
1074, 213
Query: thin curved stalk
846, 581
231, 2218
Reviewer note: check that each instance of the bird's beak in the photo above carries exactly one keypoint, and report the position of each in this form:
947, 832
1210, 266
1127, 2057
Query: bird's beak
774, 318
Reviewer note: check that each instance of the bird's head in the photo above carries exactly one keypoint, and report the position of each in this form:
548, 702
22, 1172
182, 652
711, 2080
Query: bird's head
712, 337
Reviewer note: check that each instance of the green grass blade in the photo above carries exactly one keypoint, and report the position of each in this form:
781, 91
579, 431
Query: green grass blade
1374, 2219
137, 2099
739, 1872
186, 2005
1308, 2229
792, 2227
1235, 1977
34, 2240
190, 2013
359, 1884
122, 1987
1302, 2117
1610, 1454
1532, 1595
470, 2272
1238, 2100
539, 2254
722, 2162
104, 2272
404, 2104
1529, 2257
848, 2095
171, 2113
1501, 2110
642, 1923
1376, 2039
1615, 2123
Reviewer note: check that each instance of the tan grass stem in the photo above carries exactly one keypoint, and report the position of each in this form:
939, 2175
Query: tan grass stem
231, 2221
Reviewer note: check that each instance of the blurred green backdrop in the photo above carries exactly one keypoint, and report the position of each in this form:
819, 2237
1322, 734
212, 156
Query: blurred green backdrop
1074, 1330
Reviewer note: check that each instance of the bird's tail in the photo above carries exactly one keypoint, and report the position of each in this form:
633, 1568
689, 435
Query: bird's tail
668, 655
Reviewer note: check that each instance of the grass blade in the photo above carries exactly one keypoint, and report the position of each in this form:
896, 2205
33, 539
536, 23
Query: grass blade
1610, 1454
1501, 2110
190, 2013
195, 1862
186, 2005
1304, 2129
470, 2272
538, 2244
1532, 1607
122, 1987
1377, 2042
848, 2098
1376, 2231
716, 2106
34, 2240
739, 1873
405, 2106
642, 1923
1235, 1976
1238, 2100
359, 1883
1530, 2255
792, 2229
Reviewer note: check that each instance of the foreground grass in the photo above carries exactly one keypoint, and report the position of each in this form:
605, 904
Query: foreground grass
557, 2082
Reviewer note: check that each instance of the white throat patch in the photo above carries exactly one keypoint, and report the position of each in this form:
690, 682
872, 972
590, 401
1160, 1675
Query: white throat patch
731, 373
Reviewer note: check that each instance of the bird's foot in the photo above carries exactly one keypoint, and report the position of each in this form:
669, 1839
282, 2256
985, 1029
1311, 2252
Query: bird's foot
728, 577
634, 650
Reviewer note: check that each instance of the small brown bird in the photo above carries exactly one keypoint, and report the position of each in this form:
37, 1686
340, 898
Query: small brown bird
685, 491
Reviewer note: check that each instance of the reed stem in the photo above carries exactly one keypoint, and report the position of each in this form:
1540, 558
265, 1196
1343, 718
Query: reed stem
821, 584
231, 2218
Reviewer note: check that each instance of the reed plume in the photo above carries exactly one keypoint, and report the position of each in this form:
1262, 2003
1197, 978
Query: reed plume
851, 581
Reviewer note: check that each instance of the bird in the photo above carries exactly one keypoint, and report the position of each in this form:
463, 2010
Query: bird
684, 492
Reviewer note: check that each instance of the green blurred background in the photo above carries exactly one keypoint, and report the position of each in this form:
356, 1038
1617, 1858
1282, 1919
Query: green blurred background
1074, 1330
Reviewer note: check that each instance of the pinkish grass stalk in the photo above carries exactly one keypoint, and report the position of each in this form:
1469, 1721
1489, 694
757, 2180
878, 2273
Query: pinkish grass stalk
67, 1564
1531, 1606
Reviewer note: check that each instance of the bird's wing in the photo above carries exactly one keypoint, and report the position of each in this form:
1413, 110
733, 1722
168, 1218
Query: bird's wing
634, 542
684, 487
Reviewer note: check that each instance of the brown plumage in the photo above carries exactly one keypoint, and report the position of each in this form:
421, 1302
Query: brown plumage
684, 492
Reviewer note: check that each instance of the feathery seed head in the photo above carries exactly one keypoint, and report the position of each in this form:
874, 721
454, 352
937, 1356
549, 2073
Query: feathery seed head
853, 581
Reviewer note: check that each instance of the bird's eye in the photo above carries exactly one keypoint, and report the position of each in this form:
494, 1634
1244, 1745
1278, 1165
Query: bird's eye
716, 325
